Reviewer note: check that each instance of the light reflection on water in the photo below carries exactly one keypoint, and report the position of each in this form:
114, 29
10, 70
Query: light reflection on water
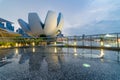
52, 63
55, 50
101, 53
16, 51
33, 49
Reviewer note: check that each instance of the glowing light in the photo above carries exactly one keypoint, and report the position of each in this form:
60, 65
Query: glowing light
118, 40
54, 43
86, 65
33, 50
55, 50
107, 45
2, 46
75, 43
33, 43
75, 54
19, 44
16, 44
75, 51
26, 44
8, 46
101, 43
16, 51
5, 46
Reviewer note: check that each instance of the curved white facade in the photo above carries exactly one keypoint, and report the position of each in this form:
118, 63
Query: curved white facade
50, 23
53, 24
35, 24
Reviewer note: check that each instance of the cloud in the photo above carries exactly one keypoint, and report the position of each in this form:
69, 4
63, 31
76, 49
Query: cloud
101, 27
79, 16
98, 10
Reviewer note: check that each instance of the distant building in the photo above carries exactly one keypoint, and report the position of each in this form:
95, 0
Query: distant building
6, 29
2, 25
5, 24
8, 33
9, 26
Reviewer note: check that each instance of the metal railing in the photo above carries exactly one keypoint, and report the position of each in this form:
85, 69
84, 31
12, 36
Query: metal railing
100, 40
111, 40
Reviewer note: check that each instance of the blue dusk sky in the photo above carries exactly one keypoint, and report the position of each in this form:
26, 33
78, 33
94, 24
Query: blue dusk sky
80, 16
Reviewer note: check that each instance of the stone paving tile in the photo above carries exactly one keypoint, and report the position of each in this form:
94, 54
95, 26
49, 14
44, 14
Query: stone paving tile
47, 65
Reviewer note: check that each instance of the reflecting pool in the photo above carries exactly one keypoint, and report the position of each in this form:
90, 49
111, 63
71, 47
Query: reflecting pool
55, 63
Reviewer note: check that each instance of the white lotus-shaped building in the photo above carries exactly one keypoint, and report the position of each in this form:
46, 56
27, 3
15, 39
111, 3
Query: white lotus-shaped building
35, 27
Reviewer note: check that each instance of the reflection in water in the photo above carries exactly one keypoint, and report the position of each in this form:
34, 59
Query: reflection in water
55, 43
33, 49
86, 65
48, 63
36, 60
118, 56
75, 51
45, 61
101, 53
16, 51
75, 43
102, 60
25, 55
4, 56
55, 50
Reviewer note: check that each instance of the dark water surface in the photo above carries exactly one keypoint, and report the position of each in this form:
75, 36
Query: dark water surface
50, 63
